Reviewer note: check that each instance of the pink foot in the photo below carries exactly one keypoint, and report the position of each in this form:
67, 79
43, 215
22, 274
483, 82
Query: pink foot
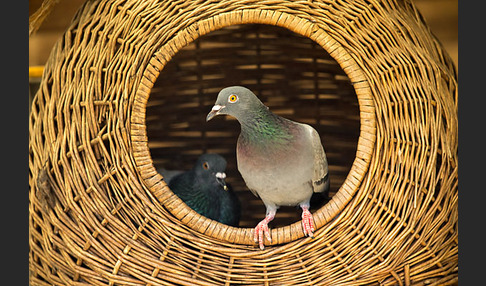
261, 229
307, 222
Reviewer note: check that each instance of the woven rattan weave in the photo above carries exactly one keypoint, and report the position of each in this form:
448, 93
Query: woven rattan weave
126, 90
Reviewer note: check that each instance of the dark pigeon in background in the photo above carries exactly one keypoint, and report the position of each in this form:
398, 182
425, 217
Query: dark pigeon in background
281, 161
203, 188
169, 174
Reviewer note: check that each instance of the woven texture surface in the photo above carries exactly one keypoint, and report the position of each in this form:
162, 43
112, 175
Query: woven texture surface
126, 90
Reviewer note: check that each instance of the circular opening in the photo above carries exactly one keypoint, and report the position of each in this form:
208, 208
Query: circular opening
291, 74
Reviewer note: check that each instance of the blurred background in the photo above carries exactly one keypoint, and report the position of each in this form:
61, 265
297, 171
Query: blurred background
440, 15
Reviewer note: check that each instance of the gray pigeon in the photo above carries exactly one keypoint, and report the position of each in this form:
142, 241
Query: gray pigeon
203, 188
281, 161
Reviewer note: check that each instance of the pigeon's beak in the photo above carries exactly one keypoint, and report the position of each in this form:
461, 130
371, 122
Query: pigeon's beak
220, 176
214, 111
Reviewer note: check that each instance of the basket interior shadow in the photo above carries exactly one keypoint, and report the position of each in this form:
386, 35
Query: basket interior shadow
290, 73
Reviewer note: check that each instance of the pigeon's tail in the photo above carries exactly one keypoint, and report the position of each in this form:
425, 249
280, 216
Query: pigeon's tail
318, 199
322, 185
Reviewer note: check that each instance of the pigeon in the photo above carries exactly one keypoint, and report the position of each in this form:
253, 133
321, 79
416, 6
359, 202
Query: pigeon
281, 161
203, 188
169, 174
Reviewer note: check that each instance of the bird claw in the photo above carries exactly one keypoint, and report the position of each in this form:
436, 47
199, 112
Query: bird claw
260, 230
307, 223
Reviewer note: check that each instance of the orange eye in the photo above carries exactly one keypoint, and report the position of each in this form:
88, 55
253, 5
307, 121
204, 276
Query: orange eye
205, 165
233, 98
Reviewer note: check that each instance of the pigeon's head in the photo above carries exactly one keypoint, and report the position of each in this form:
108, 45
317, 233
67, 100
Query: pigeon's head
236, 101
211, 167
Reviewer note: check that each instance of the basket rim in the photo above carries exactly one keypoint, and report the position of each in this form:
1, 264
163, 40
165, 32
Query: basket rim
307, 28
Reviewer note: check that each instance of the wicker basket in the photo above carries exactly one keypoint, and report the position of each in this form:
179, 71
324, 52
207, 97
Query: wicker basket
127, 88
